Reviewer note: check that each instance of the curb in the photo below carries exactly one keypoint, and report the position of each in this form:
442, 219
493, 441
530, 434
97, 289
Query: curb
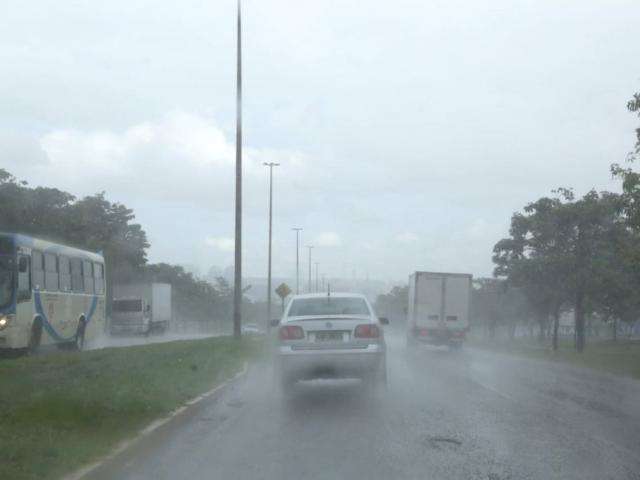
153, 426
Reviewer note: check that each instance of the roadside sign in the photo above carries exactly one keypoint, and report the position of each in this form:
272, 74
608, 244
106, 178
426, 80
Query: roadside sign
283, 290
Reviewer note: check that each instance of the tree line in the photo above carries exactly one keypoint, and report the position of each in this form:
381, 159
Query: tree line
94, 223
582, 255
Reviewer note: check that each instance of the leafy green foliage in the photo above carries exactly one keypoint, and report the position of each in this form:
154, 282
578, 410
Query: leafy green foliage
75, 406
568, 253
494, 303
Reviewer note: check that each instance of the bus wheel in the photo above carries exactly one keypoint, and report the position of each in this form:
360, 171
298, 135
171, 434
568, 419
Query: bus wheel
78, 343
35, 337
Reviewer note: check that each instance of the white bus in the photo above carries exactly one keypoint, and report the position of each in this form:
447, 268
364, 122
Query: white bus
49, 294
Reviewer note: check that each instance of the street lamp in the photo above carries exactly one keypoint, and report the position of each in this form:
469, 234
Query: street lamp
270, 165
317, 277
237, 281
298, 230
310, 247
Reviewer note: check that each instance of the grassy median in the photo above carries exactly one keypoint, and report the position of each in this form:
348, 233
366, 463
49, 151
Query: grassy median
61, 411
621, 357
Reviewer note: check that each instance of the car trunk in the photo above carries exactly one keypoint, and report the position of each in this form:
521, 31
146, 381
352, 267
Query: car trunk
330, 332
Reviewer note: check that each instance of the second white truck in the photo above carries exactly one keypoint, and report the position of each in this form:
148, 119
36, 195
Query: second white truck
438, 310
140, 309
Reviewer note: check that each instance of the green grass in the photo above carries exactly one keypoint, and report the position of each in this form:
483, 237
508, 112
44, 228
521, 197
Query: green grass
621, 358
61, 411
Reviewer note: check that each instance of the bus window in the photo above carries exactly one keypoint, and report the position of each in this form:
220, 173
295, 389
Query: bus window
6, 246
76, 275
98, 275
50, 272
87, 275
65, 273
24, 278
37, 266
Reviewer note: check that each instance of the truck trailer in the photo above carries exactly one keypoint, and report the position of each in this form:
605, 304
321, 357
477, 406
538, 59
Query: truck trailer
140, 309
438, 310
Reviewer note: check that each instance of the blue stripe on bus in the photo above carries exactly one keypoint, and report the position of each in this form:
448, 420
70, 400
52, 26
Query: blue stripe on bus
47, 325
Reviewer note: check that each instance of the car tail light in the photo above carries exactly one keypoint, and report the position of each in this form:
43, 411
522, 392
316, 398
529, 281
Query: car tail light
422, 332
459, 333
291, 332
367, 331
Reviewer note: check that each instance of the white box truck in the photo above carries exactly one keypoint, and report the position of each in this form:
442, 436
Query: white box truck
438, 310
140, 309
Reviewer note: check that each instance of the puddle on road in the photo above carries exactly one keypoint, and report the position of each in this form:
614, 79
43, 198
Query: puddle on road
437, 442
235, 403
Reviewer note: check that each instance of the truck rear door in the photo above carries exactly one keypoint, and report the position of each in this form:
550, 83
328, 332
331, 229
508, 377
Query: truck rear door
428, 301
457, 292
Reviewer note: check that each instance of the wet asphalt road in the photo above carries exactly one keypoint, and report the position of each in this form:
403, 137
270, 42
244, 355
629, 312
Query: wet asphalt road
471, 414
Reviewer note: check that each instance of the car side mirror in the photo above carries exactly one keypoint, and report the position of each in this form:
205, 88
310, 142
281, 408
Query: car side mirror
383, 320
23, 264
275, 322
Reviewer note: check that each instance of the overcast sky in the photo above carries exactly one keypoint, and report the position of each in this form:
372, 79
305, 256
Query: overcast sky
408, 132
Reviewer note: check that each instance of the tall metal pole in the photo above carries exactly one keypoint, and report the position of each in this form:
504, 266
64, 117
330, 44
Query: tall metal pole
237, 283
298, 230
309, 284
270, 165
317, 284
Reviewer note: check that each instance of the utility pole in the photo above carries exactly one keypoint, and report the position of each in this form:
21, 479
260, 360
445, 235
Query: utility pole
317, 285
310, 247
298, 230
270, 165
237, 281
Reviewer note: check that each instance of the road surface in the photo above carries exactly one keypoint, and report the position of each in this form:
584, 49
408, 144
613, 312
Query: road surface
466, 415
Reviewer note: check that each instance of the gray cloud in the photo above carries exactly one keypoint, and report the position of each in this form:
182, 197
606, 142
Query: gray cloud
408, 120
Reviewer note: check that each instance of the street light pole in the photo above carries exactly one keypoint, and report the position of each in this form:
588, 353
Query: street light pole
309, 284
298, 230
317, 277
237, 283
270, 165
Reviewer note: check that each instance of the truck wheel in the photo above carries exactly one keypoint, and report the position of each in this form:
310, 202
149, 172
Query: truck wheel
35, 337
78, 343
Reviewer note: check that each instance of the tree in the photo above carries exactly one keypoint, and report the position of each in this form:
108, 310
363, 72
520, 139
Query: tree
394, 304
562, 250
630, 178
495, 303
534, 258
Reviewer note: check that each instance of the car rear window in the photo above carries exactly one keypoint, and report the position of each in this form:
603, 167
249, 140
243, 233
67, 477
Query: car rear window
301, 307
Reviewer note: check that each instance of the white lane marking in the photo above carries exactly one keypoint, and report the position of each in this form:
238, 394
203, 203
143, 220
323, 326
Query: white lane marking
494, 390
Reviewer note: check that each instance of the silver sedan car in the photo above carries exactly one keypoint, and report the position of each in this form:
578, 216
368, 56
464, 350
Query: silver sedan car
331, 335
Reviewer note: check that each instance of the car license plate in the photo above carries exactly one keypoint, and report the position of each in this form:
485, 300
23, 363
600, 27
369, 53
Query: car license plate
328, 336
